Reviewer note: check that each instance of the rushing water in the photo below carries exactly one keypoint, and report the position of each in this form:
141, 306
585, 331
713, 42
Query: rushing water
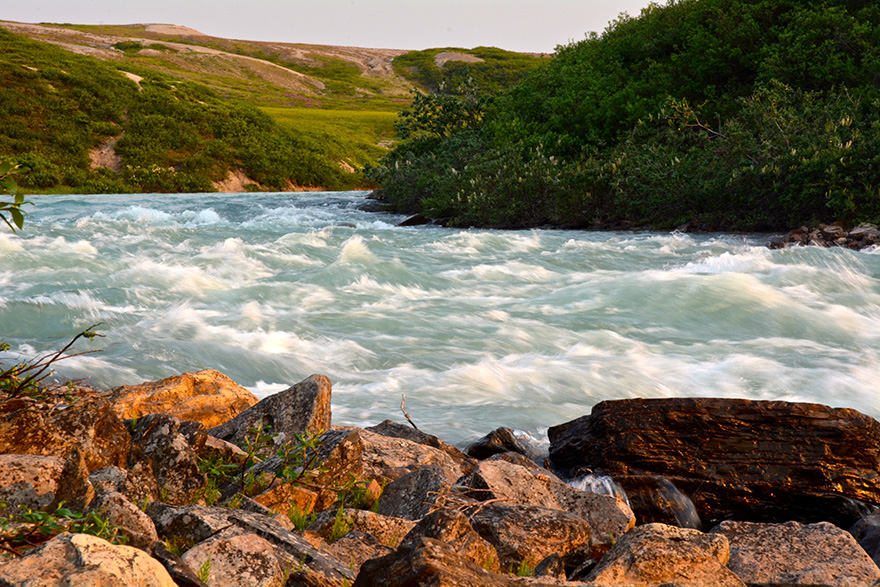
478, 328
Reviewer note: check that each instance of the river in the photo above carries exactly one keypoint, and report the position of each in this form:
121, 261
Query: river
478, 328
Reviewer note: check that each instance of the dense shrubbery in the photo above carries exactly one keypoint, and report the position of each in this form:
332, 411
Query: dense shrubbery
174, 136
730, 114
498, 70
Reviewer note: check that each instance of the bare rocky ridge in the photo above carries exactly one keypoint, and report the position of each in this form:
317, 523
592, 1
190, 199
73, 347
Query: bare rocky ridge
444, 518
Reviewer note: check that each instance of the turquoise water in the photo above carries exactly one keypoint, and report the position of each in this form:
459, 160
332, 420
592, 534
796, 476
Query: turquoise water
478, 328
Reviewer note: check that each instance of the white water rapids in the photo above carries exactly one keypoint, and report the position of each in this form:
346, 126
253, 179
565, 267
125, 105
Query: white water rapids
478, 328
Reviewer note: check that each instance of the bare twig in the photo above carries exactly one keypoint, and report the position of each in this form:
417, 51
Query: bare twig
403, 401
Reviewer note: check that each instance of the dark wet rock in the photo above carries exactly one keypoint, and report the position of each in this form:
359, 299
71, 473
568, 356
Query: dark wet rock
454, 528
427, 562
796, 554
523, 534
502, 440
207, 396
156, 440
657, 554
415, 220
304, 407
735, 459
134, 523
655, 499
867, 533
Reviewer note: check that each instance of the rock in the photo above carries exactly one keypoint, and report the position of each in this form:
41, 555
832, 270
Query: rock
655, 499
75, 490
81, 559
234, 558
415, 220
180, 573
140, 483
427, 562
657, 554
173, 462
502, 440
29, 480
735, 459
356, 548
27, 427
305, 407
194, 521
396, 430
195, 434
867, 533
282, 497
796, 554
551, 567
217, 449
454, 528
108, 479
119, 511
415, 495
207, 396
609, 517
526, 535
382, 454
387, 530
307, 566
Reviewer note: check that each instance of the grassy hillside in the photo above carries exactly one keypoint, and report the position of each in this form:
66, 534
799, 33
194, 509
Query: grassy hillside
718, 114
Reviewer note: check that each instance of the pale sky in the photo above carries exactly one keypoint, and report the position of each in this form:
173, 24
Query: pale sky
516, 25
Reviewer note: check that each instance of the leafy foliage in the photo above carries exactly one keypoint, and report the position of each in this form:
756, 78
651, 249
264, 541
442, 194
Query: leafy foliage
13, 208
23, 528
728, 114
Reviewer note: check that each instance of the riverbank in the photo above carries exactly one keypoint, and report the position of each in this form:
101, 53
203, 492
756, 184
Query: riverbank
303, 502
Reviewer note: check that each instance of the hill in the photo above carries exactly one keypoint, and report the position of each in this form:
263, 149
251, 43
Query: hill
184, 111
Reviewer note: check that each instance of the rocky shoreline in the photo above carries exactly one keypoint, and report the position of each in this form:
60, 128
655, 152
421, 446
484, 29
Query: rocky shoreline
191, 481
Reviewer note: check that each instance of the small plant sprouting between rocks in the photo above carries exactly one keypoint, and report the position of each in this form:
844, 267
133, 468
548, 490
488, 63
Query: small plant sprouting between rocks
205, 571
23, 528
300, 518
342, 525
27, 377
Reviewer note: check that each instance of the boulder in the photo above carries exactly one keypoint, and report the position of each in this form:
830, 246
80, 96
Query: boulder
27, 427
180, 573
655, 499
387, 530
397, 430
657, 554
415, 495
305, 407
134, 523
503, 440
735, 459
524, 535
207, 396
108, 479
796, 554
867, 533
427, 561
356, 548
234, 558
82, 559
383, 454
75, 490
609, 517
29, 480
454, 528
173, 462
193, 521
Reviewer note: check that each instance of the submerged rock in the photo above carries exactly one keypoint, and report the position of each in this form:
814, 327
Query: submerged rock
768, 461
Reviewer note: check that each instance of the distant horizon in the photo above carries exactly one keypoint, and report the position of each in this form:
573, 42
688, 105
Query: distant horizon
514, 25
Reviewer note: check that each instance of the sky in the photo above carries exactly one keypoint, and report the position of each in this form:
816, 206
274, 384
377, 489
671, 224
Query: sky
517, 25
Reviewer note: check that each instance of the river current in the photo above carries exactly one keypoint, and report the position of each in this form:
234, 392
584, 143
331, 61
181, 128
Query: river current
478, 328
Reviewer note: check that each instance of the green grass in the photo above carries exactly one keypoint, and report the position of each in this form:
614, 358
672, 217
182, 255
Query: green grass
355, 136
